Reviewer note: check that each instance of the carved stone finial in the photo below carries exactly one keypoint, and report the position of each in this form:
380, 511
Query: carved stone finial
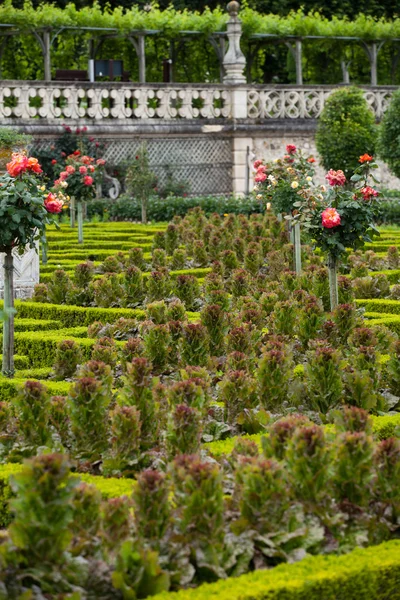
234, 60
233, 8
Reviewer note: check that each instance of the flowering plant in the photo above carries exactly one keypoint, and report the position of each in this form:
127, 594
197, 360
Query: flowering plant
80, 175
24, 214
280, 182
23, 211
342, 215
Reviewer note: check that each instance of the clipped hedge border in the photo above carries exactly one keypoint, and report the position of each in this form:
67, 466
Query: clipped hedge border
391, 322
383, 428
73, 316
109, 487
9, 387
363, 574
378, 305
34, 325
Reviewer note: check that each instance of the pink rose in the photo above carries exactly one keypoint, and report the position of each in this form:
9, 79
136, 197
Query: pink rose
257, 163
91, 168
82, 170
261, 169
100, 162
330, 218
88, 180
368, 192
63, 175
52, 204
335, 177
70, 169
260, 177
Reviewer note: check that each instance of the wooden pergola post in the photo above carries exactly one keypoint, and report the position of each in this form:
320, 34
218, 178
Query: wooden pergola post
296, 50
45, 45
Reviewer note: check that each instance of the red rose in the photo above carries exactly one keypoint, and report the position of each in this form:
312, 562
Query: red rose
291, 148
54, 162
365, 158
88, 180
330, 218
335, 177
53, 204
17, 165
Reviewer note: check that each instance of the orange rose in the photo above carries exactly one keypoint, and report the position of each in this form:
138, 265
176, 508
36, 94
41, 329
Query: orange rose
18, 165
33, 165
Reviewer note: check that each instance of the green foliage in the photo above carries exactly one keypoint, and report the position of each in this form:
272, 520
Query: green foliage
389, 132
345, 131
68, 357
12, 138
140, 179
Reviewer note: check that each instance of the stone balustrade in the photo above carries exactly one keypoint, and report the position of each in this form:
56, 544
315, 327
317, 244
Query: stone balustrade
52, 101
305, 102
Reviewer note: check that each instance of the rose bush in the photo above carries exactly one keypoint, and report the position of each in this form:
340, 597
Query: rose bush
24, 213
343, 215
280, 182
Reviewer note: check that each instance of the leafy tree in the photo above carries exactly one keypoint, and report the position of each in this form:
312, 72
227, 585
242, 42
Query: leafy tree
140, 179
389, 135
346, 130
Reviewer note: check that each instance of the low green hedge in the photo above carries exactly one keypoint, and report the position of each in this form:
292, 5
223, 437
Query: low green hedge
72, 316
109, 488
363, 574
34, 324
392, 322
160, 209
40, 346
97, 245
383, 428
20, 362
380, 306
9, 387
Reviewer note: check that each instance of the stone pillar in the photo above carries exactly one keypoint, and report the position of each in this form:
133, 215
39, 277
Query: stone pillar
234, 59
26, 273
234, 65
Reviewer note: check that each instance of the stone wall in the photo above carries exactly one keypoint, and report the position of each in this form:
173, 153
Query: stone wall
272, 145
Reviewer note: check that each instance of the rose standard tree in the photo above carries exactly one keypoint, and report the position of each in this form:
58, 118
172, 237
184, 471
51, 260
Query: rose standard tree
24, 213
342, 216
79, 177
279, 184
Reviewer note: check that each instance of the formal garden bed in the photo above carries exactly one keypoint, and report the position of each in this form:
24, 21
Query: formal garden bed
198, 337
187, 405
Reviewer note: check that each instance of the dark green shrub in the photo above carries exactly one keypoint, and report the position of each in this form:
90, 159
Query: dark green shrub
58, 287
184, 431
194, 345
133, 286
43, 516
123, 454
68, 357
88, 401
32, 408
323, 381
389, 132
346, 130
187, 289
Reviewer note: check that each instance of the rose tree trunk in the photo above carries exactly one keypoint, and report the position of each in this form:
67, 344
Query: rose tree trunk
8, 325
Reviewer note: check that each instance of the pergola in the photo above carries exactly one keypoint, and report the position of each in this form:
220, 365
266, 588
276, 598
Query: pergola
294, 44
47, 35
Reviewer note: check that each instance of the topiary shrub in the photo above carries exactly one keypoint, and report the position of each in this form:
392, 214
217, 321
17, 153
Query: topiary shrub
389, 132
346, 130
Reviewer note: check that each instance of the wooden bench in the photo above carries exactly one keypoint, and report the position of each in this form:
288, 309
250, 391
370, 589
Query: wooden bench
71, 75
